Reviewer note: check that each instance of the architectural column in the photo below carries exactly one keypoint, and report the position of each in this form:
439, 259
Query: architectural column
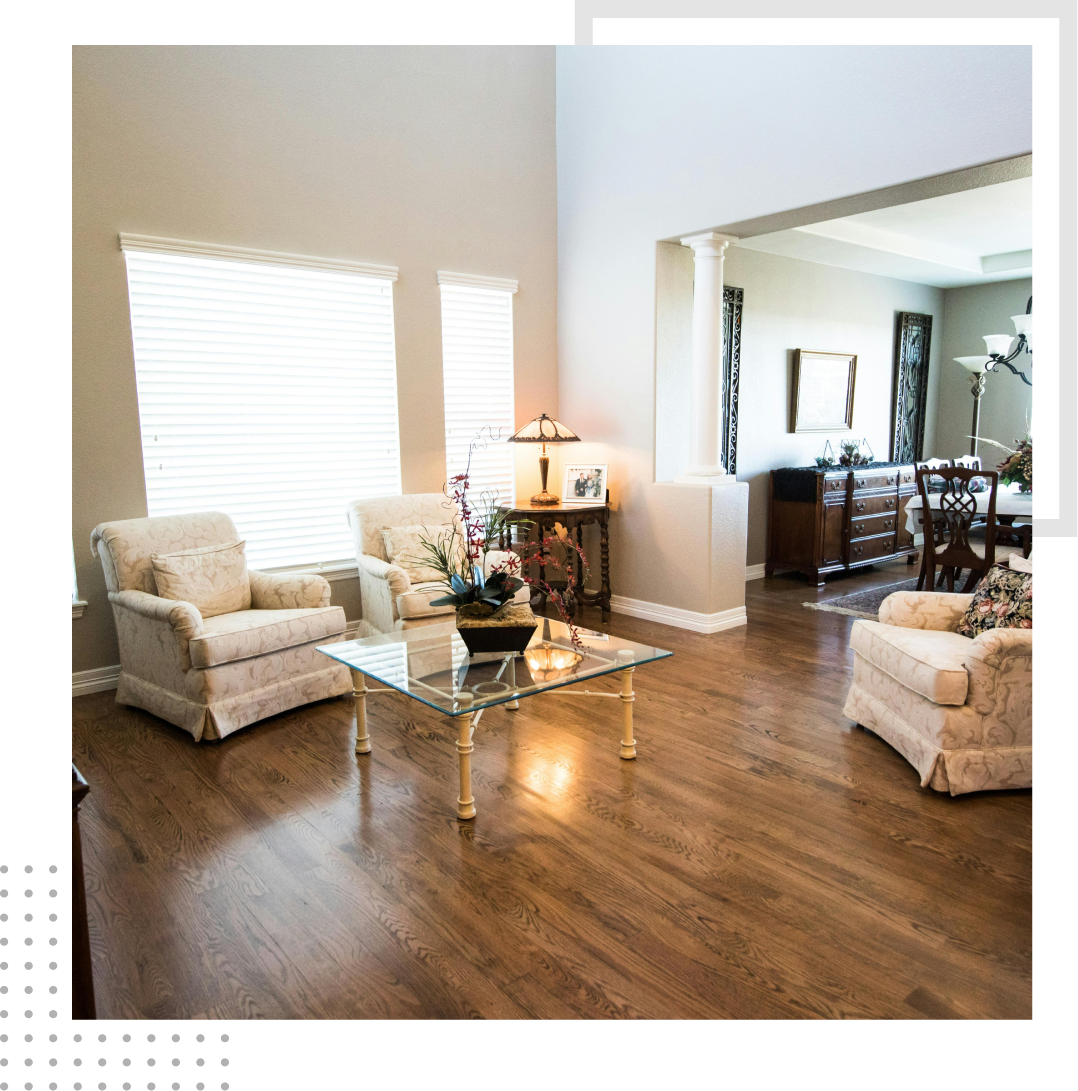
705, 422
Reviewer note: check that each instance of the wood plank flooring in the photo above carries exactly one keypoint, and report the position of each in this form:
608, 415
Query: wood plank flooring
762, 858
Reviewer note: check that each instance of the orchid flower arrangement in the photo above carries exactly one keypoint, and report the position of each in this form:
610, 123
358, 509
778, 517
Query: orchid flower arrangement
459, 557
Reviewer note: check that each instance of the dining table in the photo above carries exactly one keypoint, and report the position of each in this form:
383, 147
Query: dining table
1011, 506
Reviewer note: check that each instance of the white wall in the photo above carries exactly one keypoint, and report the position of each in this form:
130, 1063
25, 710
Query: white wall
657, 142
790, 304
423, 157
1007, 403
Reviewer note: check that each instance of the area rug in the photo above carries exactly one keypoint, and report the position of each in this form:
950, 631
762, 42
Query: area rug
864, 604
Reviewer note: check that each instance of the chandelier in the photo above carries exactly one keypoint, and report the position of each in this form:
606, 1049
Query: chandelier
997, 345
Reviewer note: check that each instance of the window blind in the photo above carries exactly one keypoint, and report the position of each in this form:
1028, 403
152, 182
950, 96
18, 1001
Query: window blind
267, 391
477, 371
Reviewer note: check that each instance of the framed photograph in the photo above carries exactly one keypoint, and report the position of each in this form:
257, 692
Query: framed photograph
822, 391
585, 483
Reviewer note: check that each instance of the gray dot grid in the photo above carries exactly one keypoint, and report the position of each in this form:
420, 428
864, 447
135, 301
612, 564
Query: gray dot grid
41, 1048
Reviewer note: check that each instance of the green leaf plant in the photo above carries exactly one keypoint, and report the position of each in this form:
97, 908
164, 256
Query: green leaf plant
481, 527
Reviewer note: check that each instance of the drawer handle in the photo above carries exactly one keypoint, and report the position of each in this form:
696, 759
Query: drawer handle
888, 523
860, 505
861, 483
858, 550
886, 546
889, 503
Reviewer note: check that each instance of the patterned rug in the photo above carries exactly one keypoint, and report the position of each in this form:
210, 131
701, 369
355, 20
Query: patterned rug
864, 604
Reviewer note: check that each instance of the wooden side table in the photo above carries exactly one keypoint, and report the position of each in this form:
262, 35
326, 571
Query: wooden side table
574, 518
82, 974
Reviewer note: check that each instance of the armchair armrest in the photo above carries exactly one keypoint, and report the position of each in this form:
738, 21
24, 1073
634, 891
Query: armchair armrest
287, 590
184, 617
394, 575
924, 610
996, 645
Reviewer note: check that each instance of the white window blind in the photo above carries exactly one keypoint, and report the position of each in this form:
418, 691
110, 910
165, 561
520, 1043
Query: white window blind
267, 390
477, 370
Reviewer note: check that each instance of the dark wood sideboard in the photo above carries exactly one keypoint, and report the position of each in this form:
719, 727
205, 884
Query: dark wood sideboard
832, 520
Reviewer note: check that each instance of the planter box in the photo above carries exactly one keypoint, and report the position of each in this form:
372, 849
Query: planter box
506, 630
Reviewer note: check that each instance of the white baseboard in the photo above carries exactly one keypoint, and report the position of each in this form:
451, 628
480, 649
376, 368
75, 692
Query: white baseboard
94, 681
754, 572
681, 619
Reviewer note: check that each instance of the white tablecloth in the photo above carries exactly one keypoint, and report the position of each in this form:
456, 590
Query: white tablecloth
1017, 504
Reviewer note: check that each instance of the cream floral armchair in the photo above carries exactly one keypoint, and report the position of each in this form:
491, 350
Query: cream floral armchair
390, 600
959, 709
212, 676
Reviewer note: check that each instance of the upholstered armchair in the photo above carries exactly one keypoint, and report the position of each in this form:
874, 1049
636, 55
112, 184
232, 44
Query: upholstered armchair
959, 709
390, 600
212, 676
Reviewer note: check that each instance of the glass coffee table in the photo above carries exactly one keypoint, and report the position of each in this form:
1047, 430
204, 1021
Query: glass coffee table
431, 664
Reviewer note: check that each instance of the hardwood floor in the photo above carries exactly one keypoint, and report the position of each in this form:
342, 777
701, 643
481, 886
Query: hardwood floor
762, 858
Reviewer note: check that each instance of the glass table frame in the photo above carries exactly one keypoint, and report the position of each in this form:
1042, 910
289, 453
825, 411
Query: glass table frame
431, 664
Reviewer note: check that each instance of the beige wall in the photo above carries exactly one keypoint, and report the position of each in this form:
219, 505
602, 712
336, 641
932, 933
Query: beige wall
421, 157
1007, 403
789, 304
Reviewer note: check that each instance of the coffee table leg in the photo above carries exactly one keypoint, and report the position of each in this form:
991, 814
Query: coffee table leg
512, 672
628, 743
359, 696
466, 801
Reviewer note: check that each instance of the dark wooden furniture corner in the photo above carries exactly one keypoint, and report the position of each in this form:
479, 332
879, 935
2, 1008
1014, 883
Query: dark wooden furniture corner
574, 519
837, 519
82, 974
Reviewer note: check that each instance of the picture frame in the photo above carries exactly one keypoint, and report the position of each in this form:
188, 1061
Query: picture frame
585, 484
822, 395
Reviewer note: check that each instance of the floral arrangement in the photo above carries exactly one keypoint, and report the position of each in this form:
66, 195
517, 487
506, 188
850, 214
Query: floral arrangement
459, 557
854, 453
1017, 467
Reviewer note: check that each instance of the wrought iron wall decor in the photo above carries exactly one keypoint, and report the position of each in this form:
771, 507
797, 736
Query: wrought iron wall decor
733, 300
913, 343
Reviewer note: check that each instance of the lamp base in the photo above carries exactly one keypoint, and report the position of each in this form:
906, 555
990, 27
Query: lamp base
545, 498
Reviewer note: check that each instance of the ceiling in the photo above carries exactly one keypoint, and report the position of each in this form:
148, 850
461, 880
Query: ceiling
973, 237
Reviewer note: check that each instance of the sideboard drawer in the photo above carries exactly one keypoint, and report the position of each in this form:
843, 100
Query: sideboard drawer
862, 482
884, 504
908, 476
870, 549
834, 486
868, 526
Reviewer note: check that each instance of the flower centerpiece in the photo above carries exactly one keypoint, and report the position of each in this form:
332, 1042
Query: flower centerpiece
488, 618
1017, 467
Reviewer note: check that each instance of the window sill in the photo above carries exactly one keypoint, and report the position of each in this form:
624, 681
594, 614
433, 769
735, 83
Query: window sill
329, 570
77, 608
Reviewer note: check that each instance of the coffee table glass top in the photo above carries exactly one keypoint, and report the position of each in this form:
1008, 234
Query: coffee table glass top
432, 664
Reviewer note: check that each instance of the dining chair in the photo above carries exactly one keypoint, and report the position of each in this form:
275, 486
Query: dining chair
930, 464
948, 547
970, 462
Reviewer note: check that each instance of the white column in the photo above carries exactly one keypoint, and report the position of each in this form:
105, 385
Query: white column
705, 422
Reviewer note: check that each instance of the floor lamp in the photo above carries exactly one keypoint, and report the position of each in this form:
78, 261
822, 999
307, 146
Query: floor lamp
975, 366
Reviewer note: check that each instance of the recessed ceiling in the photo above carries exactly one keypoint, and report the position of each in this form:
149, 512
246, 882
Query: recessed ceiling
973, 237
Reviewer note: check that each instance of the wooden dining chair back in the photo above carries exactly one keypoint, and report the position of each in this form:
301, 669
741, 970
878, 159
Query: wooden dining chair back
948, 547
970, 462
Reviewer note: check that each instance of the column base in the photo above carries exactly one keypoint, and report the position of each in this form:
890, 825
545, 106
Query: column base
721, 478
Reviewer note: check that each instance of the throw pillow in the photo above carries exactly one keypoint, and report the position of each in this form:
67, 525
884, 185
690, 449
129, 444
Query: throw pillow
404, 548
1002, 600
212, 578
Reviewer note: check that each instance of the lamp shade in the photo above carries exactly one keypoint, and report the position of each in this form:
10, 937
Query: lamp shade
972, 363
544, 429
1023, 324
998, 344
